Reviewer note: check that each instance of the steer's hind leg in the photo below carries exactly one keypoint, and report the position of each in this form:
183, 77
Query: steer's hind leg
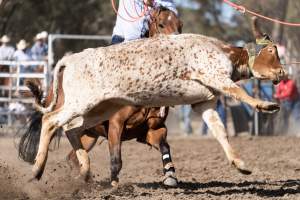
51, 122
215, 124
88, 140
81, 153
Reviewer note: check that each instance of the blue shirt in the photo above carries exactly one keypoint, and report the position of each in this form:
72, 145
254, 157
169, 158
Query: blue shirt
39, 51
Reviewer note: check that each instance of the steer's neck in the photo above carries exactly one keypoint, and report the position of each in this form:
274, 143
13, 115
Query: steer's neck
240, 59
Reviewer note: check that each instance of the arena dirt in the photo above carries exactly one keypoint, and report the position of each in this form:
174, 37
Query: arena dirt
202, 169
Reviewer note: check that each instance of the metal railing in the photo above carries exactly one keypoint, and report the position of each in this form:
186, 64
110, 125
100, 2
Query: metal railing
53, 37
13, 85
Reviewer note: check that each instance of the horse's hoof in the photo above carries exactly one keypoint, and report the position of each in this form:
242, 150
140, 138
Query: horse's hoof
114, 183
170, 181
240, 166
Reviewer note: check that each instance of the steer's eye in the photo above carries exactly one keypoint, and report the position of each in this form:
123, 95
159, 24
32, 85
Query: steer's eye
161, 25
271, 50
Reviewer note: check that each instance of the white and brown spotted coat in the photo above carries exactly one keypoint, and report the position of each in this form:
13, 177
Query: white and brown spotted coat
160, 71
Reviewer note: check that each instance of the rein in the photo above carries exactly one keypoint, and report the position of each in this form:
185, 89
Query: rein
154, 21
133, 19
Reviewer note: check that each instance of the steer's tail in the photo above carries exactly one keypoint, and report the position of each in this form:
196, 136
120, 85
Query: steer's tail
59, 66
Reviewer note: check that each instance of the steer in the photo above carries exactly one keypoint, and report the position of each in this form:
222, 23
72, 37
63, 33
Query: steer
176, 69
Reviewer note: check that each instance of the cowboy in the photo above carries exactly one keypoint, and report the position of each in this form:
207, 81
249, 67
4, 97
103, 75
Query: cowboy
132, 18
6, 51
39, 50
22, 54
132, 21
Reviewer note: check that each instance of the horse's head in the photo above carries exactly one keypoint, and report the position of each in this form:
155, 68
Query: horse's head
264, 59
164, 21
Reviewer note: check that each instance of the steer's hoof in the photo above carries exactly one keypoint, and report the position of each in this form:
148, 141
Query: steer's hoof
37, 172
268, 107
240, 166
114, 183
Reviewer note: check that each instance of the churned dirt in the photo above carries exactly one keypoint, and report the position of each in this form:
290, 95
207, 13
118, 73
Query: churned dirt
202, 170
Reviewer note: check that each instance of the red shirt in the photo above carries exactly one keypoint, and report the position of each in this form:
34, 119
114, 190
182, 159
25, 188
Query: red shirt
287, 90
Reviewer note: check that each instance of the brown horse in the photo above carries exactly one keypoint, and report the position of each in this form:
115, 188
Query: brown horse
147, 125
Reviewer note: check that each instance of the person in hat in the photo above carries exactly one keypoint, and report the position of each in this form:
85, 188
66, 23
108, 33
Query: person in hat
22, 54
39, 50
6, 51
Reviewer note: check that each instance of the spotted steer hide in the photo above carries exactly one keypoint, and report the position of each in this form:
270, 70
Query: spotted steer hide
148, 72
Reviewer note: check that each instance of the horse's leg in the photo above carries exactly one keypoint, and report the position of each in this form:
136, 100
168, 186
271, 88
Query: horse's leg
215, 124
114, 143
115, 129
157, 137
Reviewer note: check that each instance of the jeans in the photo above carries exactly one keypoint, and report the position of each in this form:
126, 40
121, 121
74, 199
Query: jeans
185, 111
116, 39
291, 108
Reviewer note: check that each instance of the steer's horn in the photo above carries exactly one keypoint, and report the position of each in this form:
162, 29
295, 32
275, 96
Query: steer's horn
255, 28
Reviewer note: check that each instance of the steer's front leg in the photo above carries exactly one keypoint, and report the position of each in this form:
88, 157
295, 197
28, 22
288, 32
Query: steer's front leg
225, 85
214, 123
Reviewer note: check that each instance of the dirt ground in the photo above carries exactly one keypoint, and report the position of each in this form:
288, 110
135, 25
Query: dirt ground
202, 170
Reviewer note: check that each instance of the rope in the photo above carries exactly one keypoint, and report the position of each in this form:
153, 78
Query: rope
133, 19
243, 10
292, 63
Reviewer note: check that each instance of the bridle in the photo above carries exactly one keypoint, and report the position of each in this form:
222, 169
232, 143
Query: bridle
153, 19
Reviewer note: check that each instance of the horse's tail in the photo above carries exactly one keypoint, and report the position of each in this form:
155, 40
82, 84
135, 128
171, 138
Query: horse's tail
59, 66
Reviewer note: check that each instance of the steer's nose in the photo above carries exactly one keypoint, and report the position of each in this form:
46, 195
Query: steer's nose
283, 73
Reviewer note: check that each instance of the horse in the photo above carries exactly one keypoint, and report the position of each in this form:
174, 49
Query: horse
146, 125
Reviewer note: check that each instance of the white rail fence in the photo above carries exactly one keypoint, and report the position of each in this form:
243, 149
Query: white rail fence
13, 74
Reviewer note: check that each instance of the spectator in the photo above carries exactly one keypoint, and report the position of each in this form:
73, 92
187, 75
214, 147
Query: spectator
22, 54
6, 51
39, 50
287, 94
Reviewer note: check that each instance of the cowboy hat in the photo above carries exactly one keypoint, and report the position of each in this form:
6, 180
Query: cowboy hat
38, 36
4, 39
44, 34
22, 44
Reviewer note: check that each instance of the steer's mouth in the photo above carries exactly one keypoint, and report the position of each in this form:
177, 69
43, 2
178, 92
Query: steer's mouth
275, 82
